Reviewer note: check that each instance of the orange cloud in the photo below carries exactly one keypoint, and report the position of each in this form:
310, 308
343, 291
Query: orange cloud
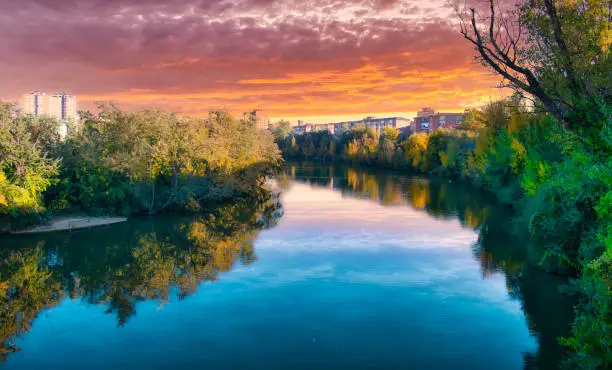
322, 61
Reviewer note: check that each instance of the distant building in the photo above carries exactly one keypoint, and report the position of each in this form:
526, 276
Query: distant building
302, 128
319, 127
423, 124
35, 103
260, 117
428, 120
63, 107
378, 124
447, 120
424, 120
426, 112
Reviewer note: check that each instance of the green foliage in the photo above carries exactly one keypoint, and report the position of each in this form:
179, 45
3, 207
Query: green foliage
282, 130
557, 182
591, 340
26, 169
150, 160
128, 163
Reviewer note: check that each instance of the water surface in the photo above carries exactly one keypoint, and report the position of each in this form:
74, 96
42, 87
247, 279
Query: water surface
363, 270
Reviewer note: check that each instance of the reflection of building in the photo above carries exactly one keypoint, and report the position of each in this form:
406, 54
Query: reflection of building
35, 103
260, 118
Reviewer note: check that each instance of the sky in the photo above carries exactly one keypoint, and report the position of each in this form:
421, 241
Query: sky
317, 60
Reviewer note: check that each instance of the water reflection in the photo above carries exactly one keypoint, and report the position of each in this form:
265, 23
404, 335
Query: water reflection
497, 250
146, 259
160, 258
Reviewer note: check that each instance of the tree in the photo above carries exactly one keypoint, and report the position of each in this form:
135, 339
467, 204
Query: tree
390, 134
152, 160
282, 130
416, 149
26, 170
557, 52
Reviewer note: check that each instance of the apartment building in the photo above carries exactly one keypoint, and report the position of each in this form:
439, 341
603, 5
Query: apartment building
35, 103
260, 117
378, 124
302, 128
60, 106
427, 120
447, 120
324, 127
63, 107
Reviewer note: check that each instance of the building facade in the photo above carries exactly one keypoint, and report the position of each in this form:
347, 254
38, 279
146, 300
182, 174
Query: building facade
427, 120
63, 107
35, 103
319, 127
447, 120
378, 124
302, 128
260, 117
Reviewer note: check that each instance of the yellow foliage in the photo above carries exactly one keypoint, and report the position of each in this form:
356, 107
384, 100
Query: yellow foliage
517, 122
518, 158
444, 159
605, 40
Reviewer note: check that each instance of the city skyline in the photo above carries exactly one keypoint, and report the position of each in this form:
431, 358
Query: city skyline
331, 62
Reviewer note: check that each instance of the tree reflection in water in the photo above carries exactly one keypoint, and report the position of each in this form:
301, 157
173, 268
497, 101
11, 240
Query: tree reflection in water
498, 251
145, 259
161, 257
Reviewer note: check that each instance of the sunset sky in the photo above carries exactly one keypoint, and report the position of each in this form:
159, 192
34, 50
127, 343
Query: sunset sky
319, 60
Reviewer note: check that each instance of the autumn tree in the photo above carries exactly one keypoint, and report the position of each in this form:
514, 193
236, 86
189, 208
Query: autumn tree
557, 52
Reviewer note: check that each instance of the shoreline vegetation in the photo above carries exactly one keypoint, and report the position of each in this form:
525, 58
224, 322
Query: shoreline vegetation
125, 164
559, 195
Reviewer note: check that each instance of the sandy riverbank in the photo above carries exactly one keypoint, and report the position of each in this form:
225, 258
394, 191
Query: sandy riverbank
71, 223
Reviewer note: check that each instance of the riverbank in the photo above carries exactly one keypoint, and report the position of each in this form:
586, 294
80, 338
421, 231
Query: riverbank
69, 224
559, 192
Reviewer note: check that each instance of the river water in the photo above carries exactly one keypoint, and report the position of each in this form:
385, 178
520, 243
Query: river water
348, 269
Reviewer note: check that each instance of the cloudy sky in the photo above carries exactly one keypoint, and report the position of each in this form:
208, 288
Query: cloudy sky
314, 59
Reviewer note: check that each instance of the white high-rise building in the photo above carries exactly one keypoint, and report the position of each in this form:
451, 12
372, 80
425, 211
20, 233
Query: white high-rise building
35, 103
61, 106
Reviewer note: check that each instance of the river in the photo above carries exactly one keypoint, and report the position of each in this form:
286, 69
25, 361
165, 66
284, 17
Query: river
347, 269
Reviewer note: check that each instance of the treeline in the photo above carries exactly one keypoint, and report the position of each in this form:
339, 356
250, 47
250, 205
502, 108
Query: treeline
127, 163
560, 192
